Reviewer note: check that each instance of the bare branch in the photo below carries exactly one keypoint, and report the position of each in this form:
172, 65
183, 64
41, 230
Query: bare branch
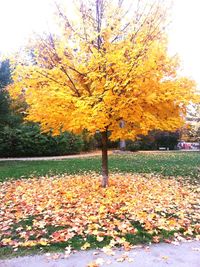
49, 77
73, 84
99, 18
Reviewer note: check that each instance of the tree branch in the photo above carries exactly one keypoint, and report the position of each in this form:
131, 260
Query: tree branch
75, 89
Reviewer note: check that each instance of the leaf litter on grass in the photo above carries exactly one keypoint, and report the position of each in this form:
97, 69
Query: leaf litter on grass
76, 212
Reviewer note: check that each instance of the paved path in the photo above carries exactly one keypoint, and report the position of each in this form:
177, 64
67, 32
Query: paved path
93, 154
159, 255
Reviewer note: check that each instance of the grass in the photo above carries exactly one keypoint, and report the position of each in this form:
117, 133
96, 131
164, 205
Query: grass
77, 242
169, 164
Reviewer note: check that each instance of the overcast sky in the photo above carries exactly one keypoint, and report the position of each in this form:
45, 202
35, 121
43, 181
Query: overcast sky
18, 18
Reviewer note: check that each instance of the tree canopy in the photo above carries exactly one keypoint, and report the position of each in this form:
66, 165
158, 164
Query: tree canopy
107, 64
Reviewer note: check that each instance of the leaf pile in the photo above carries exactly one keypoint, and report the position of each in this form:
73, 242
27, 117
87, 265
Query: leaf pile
44, 211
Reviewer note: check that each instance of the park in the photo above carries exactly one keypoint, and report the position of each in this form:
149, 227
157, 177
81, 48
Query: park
99, 142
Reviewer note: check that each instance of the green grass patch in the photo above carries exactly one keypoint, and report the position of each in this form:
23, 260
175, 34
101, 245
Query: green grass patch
76, 243
169, 164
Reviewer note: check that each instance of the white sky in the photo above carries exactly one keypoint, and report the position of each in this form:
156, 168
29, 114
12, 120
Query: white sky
18, 18
184, 37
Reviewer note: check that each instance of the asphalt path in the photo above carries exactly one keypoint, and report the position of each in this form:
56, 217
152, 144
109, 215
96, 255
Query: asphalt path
94, 154
185, 254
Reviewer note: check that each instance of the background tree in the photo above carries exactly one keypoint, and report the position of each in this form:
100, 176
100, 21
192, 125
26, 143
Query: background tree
5, 79
154, 140
10, 111
192, 132
18, 139
106, 65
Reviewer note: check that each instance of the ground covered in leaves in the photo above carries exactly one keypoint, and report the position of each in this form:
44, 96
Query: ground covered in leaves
75, 211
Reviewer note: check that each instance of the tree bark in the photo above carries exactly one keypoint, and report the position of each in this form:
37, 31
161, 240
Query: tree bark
122, 142
122, 145
104, 136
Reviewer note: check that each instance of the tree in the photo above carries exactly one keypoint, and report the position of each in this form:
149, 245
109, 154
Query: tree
5, 73
154, 140
9, 115
106, 66
5, 79
168, 140
192, 132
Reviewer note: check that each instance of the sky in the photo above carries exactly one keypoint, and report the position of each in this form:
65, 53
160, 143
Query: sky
184, 36
19, 18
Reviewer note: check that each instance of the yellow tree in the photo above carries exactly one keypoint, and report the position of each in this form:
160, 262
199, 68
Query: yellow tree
106, 65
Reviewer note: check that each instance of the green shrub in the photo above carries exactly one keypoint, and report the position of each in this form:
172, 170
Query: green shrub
27, 140
89, 141
132, 145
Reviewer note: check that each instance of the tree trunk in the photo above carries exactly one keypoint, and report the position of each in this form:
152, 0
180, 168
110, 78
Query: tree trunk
104, 136
122, 142
122, 145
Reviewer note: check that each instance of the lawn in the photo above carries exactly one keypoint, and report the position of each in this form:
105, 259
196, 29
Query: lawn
170, 164
68, 208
